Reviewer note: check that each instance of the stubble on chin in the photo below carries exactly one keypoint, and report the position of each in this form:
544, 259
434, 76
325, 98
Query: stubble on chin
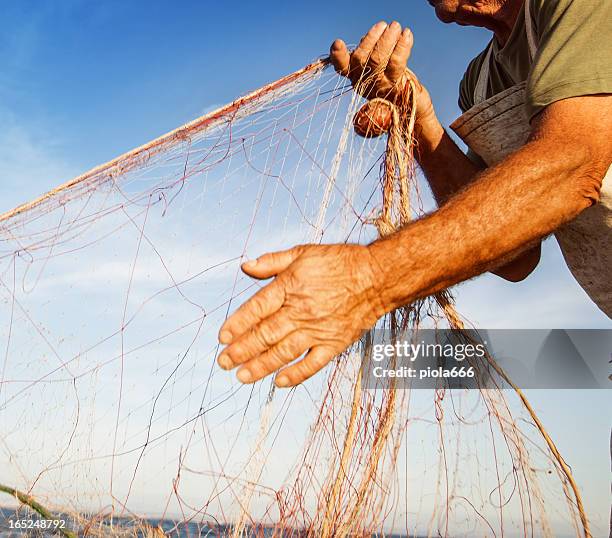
446, 10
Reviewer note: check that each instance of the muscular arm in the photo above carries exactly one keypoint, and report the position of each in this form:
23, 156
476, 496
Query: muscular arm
384, 50
324, 296
448, 170
546, 183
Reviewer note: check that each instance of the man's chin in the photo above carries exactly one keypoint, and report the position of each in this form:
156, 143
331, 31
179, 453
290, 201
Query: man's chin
445, 15
445, 9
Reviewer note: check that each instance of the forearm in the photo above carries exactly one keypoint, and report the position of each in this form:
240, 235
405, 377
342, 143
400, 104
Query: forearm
446, 167
448, 170
506, 207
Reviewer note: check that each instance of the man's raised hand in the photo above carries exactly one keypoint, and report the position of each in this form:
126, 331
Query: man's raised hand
377, 67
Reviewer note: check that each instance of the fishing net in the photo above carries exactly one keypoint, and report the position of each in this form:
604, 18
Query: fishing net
113, 287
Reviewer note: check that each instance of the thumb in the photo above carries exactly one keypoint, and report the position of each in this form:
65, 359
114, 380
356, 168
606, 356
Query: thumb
272, 264
340, 57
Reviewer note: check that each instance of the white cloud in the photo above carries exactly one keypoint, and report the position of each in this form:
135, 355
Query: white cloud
549, 298
29, 163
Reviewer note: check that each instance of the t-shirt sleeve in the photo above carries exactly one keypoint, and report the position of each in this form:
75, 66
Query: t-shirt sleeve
574, 51
469, 80
466, 98
466, 94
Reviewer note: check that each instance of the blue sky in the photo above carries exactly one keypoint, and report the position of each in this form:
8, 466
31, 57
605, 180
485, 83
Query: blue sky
90, 79
81, 82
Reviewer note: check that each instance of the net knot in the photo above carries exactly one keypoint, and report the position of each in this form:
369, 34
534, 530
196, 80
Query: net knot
375, 118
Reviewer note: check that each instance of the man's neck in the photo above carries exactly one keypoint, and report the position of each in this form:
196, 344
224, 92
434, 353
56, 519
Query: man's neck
503, 19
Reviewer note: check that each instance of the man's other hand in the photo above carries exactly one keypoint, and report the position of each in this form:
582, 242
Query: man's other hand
377, 67
321, 300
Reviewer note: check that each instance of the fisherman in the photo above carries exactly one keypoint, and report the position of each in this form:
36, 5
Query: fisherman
537, 118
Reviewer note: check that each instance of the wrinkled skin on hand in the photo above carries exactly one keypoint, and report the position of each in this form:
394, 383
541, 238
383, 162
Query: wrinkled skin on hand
323, 297
321, 300
377, 67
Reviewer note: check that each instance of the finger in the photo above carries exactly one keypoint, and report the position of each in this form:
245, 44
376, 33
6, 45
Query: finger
297, 373
263, 304
340, 57
360, 55
397, 63
271, 264
282, 353
257, 340
384, 47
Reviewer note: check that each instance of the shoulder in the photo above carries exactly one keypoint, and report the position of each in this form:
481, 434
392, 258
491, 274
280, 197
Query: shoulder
574, 50
546, 15
469, 80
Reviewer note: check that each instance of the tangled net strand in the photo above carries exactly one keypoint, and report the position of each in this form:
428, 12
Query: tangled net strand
115, 283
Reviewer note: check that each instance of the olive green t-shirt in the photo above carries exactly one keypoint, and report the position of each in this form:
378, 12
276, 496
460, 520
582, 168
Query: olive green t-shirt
573, 58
